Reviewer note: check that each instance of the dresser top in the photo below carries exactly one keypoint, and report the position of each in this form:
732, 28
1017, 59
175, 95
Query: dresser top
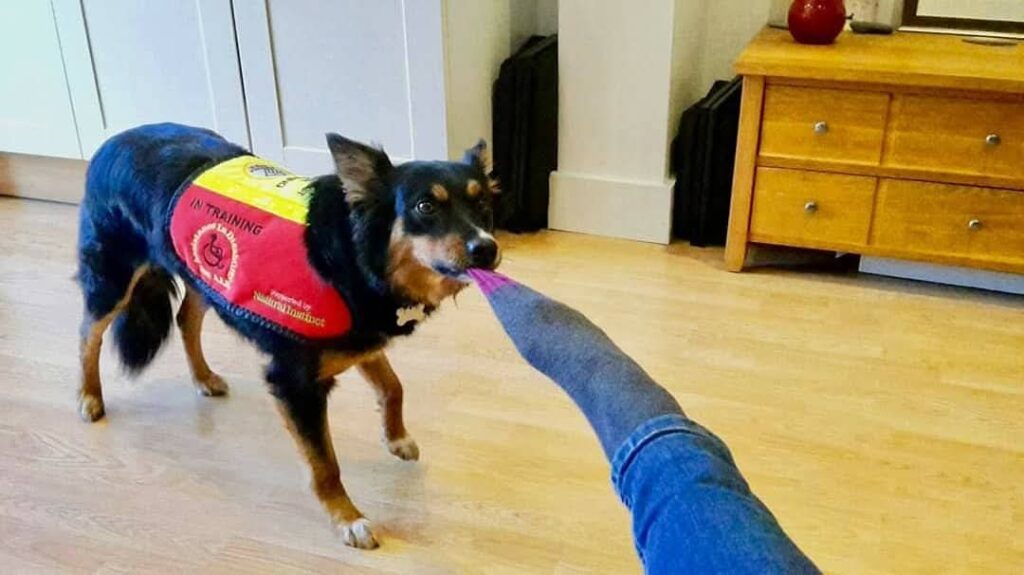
904, 58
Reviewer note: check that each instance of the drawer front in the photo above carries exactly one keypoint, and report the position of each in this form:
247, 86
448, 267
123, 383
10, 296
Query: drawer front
818, 124
957, 135
808, 207
938, 219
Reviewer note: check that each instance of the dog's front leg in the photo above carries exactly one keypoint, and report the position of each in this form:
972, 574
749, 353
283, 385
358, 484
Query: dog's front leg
376, 370
302, 401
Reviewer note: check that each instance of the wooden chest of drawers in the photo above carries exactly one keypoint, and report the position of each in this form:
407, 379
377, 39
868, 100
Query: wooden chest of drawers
908, 146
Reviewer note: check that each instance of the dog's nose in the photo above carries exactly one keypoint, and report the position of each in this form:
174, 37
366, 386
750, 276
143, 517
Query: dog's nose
483, 252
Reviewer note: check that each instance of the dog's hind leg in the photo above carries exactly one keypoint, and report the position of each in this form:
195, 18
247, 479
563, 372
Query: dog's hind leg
190, 323
90, 391
376, 369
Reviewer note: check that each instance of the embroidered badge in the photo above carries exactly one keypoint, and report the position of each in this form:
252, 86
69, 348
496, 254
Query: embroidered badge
215, 251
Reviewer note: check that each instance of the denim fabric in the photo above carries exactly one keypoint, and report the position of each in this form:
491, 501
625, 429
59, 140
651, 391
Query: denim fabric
692, 510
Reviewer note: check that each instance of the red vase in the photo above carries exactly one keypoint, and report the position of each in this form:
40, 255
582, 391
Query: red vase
816, 21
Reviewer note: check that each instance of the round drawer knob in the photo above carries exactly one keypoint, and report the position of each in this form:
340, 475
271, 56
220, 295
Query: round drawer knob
821, 128
811, 207
974, 225
993, 140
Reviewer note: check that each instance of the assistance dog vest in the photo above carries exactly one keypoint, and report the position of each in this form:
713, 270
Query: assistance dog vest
239, 228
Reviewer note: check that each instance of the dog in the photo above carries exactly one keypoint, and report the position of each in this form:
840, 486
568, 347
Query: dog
374, 241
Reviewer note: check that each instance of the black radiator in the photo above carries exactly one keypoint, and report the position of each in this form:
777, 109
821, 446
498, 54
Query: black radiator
703, 156
525, 110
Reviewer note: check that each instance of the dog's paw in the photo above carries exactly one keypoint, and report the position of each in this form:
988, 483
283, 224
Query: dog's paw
213, 386
404, 448
358, 534
90, 408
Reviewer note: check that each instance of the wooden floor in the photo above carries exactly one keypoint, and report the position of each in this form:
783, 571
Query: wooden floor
882, 421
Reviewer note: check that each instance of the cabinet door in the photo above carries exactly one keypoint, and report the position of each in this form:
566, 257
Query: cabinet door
132, 63
35, 111
372, 71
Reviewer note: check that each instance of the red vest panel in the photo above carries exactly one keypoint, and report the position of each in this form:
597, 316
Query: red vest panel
238, 227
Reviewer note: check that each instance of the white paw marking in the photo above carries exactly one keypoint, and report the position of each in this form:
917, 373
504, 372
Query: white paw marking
358, 534
90, 408
404, 448
213, 386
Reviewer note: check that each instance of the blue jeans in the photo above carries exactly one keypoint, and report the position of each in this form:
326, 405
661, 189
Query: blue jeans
692, 510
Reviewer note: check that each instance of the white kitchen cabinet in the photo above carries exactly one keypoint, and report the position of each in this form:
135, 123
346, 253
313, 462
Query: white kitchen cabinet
372, 71
36, 116
132, 63
272, 75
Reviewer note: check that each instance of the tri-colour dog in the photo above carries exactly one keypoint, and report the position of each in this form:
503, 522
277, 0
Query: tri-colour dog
318, 273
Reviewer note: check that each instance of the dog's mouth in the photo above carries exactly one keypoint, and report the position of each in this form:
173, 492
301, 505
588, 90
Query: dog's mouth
451, 271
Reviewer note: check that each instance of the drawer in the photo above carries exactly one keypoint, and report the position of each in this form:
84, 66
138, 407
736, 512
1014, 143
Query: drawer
957, 135
938, 219
808, 208
819, 124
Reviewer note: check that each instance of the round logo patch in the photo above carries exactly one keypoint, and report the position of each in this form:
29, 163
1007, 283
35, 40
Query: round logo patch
215, 252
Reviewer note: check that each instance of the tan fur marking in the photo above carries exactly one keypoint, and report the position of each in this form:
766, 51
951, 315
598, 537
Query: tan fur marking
484, 156
90, 390
473, 188
190, 323
377, 371
410, 276
333, 363
326, 484
439, 192
355, 170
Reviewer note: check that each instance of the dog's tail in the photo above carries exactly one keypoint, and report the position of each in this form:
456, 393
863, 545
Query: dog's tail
142, 328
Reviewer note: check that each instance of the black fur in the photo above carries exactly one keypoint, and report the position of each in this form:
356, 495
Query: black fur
130, 185
141, 329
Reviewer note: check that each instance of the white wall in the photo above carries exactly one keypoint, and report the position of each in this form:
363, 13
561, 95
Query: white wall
614, 71
688, 38
728, 27
477, 39
547, 17
479, 36
709, 36
531, 17
627, 71
615, 66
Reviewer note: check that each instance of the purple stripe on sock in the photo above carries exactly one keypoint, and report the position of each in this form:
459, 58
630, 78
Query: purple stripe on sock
488, 281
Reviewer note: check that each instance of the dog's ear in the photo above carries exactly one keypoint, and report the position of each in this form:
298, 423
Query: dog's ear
479, 156
361, 168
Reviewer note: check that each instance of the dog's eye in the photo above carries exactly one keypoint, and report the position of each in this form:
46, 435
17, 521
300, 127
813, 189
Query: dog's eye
426, 207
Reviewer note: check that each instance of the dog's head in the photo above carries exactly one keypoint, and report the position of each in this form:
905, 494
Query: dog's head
441, 212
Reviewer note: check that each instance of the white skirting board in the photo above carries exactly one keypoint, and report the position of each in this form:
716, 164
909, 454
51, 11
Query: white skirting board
981, 279
626, 209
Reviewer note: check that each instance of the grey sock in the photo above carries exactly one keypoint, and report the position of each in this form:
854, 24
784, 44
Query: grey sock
614, 393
